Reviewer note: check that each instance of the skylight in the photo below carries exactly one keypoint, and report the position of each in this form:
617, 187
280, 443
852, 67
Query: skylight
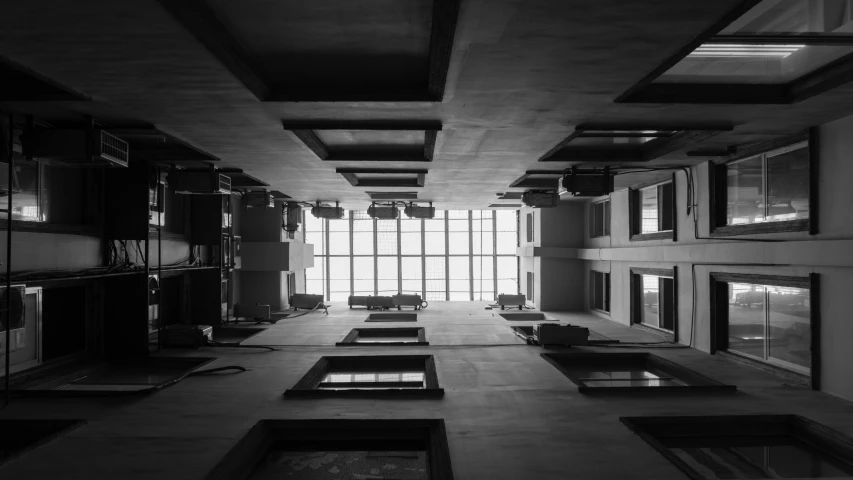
734, 50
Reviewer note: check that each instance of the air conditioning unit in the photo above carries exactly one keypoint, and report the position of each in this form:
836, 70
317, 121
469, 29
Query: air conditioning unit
325, 211
540, 198
260, 198
292, 217
207, 182
414, 211
587, 183
383, 212
87, 148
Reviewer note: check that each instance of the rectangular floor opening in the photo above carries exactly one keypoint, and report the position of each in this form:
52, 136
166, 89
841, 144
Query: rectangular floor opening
392, 317
515, 317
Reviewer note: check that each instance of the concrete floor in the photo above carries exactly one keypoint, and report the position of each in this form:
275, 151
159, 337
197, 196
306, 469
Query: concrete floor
509, 414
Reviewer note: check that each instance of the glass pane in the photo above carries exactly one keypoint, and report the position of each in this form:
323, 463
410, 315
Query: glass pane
312, 223
363, 268
458, 243
318, 271
387, 268
650, 314
25, 188
747, 319
412, 272
362, 243
339, 274
789, 327
484, 278
316, 287
508, 275
458, 225
339, 243
435, 278
410, 241
788, 185
507, 220
316, 239
507, 242
340, 224
794, 16
649, 210
434, 243
751, 64
386, 237
745, 192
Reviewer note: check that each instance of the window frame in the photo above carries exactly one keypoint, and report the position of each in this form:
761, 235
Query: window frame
306, 387
816, 82
635, 213
637, 294
718, 188
605, 221
605, 279
351, 340
530, 227
696, 383
254, 446
719, 322
661, 432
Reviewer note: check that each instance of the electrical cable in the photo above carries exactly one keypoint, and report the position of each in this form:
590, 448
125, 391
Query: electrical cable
238, 368
307, 312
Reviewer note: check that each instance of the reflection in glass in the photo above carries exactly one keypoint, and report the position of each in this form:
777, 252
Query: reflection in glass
760, 457
649, 211
651, 300
26, 191
788, 185
372, 380
745, 191
628, 377
794, 17
771, 323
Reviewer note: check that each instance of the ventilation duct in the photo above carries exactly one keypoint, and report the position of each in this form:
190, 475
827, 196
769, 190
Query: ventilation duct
587, 183
326, 211
383, 212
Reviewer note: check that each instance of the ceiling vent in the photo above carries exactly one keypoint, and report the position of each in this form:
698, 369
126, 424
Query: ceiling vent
81, 147
208, 182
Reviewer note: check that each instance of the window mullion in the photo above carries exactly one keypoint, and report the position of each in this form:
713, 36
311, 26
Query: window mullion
375, 259
423, 259
495, 253
399, 256
471, 255
351, 256
446, 255
326, 260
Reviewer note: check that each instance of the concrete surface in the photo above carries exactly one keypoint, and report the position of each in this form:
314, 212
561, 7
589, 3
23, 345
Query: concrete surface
523, 74
509, 413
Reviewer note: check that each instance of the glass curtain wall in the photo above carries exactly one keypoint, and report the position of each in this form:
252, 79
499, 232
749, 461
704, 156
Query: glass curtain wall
459, 255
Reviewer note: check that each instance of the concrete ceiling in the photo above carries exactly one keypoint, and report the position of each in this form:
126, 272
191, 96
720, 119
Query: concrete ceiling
523, 74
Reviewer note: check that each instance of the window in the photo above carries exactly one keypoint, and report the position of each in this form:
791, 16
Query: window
653, 212
768, 320
631, 372
404, 375
654, 299
530, 228
378, 449
530, 287
599, 291
599, 219
458, 255
747, 446
763, 193
776, 52
384, 337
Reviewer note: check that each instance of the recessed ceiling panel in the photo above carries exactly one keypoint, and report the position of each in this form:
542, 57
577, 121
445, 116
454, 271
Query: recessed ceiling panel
375, 141
328, 50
